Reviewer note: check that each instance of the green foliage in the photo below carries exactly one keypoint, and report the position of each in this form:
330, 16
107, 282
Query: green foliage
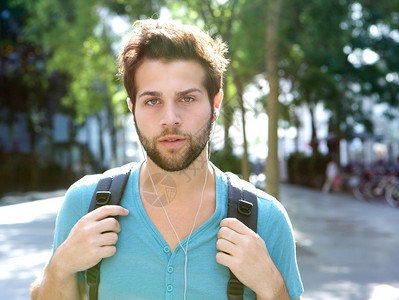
57, 56
226, 161
119, 102
66, 52
313, 59
27, 91
307, 170
319, 36
78, 38
24, 172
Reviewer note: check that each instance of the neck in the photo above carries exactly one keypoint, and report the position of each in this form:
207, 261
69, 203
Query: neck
175, 186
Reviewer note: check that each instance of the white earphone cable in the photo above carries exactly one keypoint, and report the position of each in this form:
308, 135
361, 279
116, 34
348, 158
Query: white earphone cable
185, 250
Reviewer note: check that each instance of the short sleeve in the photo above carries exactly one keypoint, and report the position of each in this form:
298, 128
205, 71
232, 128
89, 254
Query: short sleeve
274, 226
75, 206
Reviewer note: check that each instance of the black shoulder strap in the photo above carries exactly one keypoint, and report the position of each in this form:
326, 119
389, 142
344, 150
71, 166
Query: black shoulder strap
109, 190
243, 205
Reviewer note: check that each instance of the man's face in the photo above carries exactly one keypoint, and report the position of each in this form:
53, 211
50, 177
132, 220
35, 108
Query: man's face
173, 116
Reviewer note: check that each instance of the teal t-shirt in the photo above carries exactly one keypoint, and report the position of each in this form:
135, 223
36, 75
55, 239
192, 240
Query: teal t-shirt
145, 268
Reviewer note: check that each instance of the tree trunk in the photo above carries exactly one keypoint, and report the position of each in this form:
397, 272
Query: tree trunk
272, 166
112, 130
101, 145
244, 158
32, 131
314, 142
227, 118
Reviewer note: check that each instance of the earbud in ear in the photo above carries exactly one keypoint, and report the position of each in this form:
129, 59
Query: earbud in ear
216, 104
216, 114
129, 104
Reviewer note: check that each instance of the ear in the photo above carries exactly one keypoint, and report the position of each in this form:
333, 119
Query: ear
217, 101
129, 104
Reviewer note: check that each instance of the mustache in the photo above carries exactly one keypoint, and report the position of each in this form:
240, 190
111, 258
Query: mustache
177, 131
171, 131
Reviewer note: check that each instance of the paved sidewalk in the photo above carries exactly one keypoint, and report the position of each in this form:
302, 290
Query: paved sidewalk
346, 249
26, 234
16, 198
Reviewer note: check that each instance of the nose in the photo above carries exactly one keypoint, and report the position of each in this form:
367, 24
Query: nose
171, 115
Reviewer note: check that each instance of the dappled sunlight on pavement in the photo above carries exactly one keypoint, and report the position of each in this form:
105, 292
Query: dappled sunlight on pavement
385, 292
29, 211
15, 198
26, 232
341, 290
347, 249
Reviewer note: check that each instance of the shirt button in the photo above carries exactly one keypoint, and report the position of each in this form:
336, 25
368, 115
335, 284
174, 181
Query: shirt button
166, 249
170, 269
169, 288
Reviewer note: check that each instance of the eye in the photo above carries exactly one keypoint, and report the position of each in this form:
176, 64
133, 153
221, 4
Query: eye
152, 102
187, 99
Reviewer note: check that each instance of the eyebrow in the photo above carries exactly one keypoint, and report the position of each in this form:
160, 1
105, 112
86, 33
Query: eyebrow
150, 93
179, 94
188, 91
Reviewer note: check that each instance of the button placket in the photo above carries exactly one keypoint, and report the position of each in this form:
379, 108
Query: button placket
169, 272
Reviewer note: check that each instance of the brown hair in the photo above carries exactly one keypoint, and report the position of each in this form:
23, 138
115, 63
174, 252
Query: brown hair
168, 40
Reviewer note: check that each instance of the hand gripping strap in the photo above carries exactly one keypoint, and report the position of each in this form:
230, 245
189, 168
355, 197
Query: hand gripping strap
243, 202
109, 191
243, 205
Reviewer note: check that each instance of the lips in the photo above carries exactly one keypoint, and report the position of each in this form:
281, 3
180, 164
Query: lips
171, 138
172, 141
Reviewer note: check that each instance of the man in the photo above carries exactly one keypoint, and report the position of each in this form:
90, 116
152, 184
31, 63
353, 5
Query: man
171, 238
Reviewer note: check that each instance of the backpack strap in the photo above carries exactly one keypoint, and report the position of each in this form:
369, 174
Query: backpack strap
109, 191
242, 205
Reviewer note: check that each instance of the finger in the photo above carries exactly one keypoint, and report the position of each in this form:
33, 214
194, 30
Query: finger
235, 225
108, 239
224, 259
108, 211
229, 234
108, 224
226, 246
107, 251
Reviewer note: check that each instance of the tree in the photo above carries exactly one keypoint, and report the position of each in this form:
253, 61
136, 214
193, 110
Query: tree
322, 57
374, 30
78, 39
271, 49
26, 91
237, 22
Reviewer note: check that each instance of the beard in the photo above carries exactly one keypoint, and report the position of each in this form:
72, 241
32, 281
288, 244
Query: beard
177, 159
